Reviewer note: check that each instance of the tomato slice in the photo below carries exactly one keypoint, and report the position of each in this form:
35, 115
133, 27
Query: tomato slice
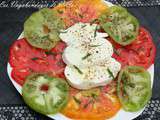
80, 10
42, 28
134, 88
140, 53
25, 59
45, 94
120, 25
93, 104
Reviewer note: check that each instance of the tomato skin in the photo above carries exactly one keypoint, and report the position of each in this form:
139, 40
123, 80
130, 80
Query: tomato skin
140, 53
25, 59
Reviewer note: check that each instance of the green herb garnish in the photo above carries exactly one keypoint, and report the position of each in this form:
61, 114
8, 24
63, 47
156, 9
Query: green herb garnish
76, 100
49, 53
93, 21
80, 15
95, 32
116, 52
94, 96
94, 45
83, 26
132, 85
86, 105
110, 73
86, 56
45, 37
80, 72
60, 11
35, 58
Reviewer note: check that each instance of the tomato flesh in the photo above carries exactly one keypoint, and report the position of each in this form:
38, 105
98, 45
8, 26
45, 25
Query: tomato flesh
25, 59
140, 53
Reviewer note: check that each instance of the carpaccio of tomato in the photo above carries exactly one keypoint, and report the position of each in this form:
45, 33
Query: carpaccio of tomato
140, 53
25, 59
93, 104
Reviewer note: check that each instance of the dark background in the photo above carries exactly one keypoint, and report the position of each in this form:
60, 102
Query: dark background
11, 26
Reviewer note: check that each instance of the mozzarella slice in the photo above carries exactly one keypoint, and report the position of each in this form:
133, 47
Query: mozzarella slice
92, 76
83, 55
73, 56
80, 32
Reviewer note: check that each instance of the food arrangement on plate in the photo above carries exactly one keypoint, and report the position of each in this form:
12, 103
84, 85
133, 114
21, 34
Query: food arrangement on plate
86, 60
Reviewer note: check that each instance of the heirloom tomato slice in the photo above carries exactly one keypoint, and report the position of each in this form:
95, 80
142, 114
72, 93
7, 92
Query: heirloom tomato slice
120, 25
134, 88
45, 94
140, 53
25, 59
92, 104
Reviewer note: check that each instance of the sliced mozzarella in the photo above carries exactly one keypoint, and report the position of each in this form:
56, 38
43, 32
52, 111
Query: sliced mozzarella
80, 32
88, 57
73, 56
88, 54
92, 76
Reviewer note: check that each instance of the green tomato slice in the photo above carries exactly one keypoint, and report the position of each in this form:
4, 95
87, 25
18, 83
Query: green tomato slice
45, 94
134, 88
42, 28
120, 25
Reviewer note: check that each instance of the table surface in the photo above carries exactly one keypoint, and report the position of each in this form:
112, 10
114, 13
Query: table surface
11, 26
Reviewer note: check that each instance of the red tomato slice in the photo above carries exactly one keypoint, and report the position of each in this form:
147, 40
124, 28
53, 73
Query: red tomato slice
140, 53
25, 59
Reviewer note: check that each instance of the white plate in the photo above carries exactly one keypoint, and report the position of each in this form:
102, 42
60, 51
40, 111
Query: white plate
121, 115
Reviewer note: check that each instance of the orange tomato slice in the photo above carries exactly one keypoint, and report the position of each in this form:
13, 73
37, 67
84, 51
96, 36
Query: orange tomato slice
93, 104
80, 10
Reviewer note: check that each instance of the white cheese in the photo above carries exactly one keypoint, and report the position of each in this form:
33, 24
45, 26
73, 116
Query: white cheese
88, 57
80, 32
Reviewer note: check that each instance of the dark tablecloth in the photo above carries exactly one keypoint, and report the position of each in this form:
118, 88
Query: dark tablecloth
11, 26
